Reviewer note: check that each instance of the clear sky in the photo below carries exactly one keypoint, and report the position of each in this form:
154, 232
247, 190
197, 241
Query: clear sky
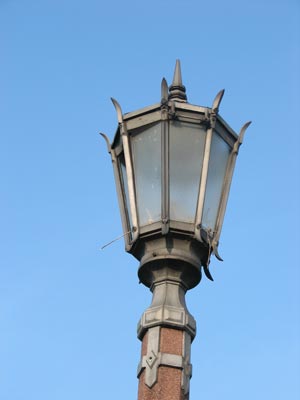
68, 311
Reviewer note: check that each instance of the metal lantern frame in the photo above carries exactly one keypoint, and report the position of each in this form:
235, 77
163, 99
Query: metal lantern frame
172, 107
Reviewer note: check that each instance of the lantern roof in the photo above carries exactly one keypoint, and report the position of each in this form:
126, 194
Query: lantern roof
174, 97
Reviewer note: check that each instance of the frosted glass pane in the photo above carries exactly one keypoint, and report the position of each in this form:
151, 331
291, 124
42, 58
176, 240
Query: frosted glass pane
186, 156
146, 152
125, 185
219, 155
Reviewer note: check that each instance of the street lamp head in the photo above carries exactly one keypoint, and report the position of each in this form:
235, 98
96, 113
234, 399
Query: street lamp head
173, 164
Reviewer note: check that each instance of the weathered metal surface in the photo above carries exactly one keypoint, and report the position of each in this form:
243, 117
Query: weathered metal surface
189, 243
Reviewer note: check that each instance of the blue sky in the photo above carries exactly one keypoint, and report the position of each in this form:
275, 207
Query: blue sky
68, 311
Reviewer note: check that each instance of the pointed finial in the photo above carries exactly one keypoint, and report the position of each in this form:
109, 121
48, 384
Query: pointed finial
177, 90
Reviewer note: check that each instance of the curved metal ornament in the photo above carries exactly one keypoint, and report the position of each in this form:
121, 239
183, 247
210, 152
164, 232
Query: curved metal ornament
217, 101
129, 171
241, 136
164, 91
216, 253
207, 272
107, 141
118, 109
206, 265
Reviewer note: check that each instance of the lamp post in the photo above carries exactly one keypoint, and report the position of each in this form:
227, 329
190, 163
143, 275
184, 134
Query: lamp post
173, 164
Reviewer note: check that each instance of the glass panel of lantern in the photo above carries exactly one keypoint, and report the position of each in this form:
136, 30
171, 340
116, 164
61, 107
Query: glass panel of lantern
219, 156
146, 157
187, 142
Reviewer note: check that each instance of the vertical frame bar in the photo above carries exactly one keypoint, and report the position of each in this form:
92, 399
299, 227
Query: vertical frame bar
129, 171
203, 180
122, 200
213, 118
165, 192
130, 182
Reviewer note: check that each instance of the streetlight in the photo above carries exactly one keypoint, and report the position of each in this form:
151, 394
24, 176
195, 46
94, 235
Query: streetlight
173, 164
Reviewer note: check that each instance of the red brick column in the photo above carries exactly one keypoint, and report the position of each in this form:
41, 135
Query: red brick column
169, 379
166, 330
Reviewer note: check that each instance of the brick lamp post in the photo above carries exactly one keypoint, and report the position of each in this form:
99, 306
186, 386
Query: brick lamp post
173, 164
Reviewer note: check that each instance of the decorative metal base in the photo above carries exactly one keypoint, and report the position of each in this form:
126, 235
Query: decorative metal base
182, 256
168, 307
167, 310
